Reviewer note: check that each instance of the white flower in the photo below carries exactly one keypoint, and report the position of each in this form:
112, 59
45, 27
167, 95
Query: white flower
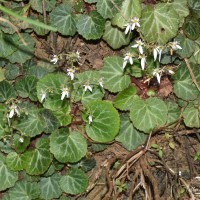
43, 96
65, 92
90, 119
13, 109
157, 73
54, 60
21, 139
131, 26
156, 51
175, 45
139, 45
101, 82
71, 72
143, 60
128, 57
87, 87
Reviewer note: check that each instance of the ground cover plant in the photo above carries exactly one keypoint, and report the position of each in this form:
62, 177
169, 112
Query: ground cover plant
99, 99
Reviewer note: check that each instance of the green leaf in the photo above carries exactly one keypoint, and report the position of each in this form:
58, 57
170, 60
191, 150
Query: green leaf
183, 85
191, 28
129, 9
51, 122
52, 85
24, 52
2, 76
130, 137
195, 58
114, 78
37, 5
181, 7
67, 147
14, 161
148, 114
92, 78
7, 46
125, 99
91, 26
86, 164
114, 36
26, 87
187, 46
37, 161
74, 182
24, 190
194, 5
11, 72
50, 188
19, 146
7, 176
63, 19
105, 121
63, 117
173, 112
159, 23
6, 91
32, 124
191, 116
106, 8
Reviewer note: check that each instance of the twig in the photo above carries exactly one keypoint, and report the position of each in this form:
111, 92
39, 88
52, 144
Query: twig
15, 28
192, 74
44, 11
151, 178
188, 156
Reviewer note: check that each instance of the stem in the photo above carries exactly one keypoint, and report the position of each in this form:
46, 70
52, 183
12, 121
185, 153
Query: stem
44, 11
192, 74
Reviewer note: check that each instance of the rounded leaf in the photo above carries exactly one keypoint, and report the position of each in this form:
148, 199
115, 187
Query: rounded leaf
105, 121
125, 98
148, 114
191, 116
24, 52
114, 36
6, 91
67, 147
184, 88
31, 124
128, 135
63, 19
159, 23
14, 161
50, 188
106, 8
37, 161
7, 176
75, 182
26, 87
91, 26
24, 190
113, 74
